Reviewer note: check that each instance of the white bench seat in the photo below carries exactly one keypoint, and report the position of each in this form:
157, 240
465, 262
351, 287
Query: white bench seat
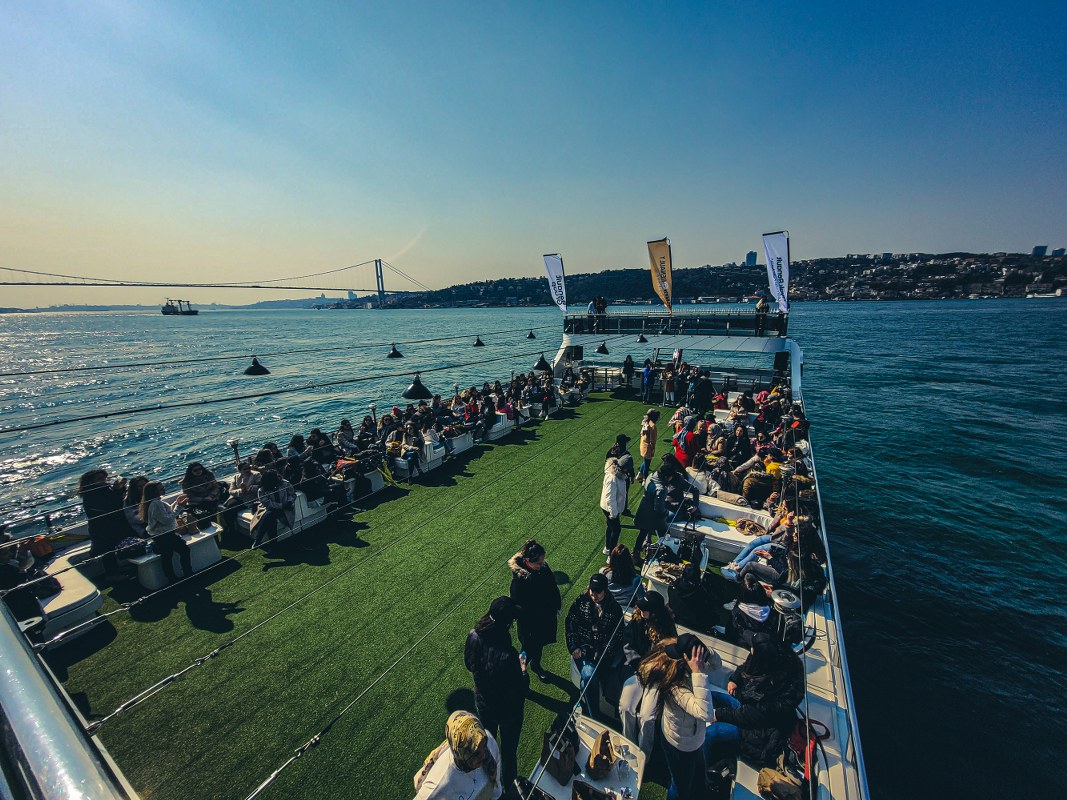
203, 552
503, 427
77, 601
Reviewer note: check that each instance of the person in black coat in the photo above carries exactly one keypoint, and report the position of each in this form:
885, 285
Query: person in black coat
594, 637
766, 689
751, 614
534, 589
500, 681
103, 504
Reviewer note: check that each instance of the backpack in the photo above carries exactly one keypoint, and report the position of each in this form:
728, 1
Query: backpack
801, 756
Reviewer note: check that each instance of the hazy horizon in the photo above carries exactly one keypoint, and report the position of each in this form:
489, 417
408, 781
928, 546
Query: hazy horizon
207, 142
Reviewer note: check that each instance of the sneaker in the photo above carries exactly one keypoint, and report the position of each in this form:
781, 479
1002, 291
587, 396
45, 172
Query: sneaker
607, 552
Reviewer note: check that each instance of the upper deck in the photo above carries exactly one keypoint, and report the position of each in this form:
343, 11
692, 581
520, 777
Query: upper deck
686, 320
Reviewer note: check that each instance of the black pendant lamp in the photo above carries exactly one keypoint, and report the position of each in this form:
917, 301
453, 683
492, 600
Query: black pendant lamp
602, 349
530, 335
394, 353
641, 339
417, 391
542, 365
478, 342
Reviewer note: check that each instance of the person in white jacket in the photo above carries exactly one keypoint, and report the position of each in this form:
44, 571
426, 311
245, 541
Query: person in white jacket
613, 502
674, 678
465, 765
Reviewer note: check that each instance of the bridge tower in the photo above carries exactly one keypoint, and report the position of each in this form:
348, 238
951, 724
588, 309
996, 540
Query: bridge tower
381, 282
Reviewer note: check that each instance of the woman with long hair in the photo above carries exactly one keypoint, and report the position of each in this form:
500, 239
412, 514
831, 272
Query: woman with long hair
678, 668
132, 506
624, 583
647, 447
651, 623
500, 681
162, 525
103, 505
202, 491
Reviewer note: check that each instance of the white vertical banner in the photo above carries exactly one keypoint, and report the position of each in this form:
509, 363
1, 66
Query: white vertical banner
776, 246
556, 287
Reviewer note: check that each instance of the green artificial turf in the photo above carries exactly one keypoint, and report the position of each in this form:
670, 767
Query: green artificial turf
419, 562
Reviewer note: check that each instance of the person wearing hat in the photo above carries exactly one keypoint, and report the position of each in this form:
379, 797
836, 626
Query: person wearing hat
466, 764
647, 447
594, 638
678, 668
500, 680
651, 623
534, 588
620, 451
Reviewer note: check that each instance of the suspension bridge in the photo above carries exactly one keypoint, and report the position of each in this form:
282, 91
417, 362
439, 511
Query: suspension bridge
271, 284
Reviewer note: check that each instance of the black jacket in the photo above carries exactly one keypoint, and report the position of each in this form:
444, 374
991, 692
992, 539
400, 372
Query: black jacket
538, 596
499, 681
768, 709
636, 643
599, 636
107, 522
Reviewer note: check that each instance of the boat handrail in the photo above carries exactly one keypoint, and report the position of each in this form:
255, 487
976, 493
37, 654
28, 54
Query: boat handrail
850, 712
41, 732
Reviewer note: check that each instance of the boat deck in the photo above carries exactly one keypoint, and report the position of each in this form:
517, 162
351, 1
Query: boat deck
420, 565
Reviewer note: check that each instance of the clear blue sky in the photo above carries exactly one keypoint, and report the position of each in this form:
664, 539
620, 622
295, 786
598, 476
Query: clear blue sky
461, 141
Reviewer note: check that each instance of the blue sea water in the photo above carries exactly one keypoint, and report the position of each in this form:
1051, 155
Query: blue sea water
938, 431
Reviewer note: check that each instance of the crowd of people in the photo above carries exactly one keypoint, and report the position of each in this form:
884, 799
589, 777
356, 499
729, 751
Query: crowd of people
125, 516
624, 639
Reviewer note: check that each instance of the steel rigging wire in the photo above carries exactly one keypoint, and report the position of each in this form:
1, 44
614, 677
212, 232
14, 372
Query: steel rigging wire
250, 353
268, 393
283, 390
160, 685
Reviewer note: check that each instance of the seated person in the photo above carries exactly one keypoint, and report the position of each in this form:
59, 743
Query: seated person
751, 613
322, 449
132, 507
623, 581
652, 621
277, 506
244, 489
366, 435
765, 692
317, 486
17, 567
298, 448
691, 600
408, 444
202, 492
344, 439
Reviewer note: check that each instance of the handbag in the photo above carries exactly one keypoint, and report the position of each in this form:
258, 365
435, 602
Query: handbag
602, 757
529, 791
559, 752
586, 791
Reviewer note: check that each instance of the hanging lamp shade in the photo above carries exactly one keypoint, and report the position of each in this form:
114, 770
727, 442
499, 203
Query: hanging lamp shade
394, 353
417, 390
641, 339
478, 341
542, 365
602, 349
530, 335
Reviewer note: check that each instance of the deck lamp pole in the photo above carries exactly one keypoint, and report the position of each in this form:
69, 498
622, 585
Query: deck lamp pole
235, 445
373, 413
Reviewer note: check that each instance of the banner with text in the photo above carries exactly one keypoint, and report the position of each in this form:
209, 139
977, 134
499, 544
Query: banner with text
659, 256
776, 245
556, 288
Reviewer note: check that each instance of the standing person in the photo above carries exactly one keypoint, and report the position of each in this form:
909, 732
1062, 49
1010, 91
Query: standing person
620, 450
628, 371
647, 447
534, 589
103, 505
646, 381
762, 306
500, 681
668, 386
613, 502
162, 526
652, 513
594, 640
679, 668
466, 764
